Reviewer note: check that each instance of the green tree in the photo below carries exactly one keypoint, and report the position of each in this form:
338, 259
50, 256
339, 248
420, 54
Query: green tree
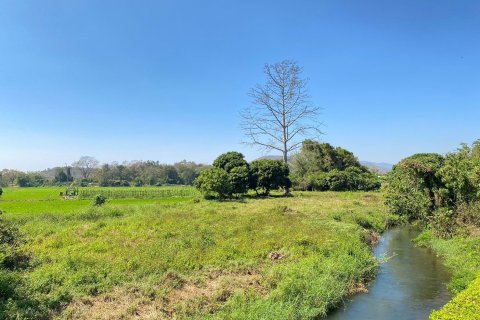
229, 160
268, 175
214, 182
239, 178
237, 168
320, 166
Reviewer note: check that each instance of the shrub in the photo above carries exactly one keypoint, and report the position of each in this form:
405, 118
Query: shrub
99, 200
214, 182
268, 175
1, 191
413, 187
10, 242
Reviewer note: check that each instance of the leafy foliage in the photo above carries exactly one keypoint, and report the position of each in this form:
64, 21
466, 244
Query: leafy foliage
14, 298
268, 175
230, 160
214, 182
441, 191
320, 166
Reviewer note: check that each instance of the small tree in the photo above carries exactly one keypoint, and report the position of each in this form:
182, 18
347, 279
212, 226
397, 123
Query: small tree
214, 182
268, 175
237, 168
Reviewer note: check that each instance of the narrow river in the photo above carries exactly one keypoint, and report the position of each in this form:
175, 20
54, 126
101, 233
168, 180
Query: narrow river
409, 285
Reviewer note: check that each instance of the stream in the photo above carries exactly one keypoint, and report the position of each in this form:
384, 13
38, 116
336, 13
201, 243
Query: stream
409, 284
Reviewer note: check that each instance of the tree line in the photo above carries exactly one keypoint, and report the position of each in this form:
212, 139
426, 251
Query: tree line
87, 171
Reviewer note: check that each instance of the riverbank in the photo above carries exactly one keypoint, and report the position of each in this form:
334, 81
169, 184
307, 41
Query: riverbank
274, 258
462, 256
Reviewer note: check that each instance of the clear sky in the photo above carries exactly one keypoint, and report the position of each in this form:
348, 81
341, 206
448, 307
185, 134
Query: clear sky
166, 80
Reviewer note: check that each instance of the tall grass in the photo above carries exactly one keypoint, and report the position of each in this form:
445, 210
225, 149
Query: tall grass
138, 192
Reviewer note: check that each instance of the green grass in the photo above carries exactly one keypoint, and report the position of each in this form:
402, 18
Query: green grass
465, 306
29, 194
184, 258
462, 255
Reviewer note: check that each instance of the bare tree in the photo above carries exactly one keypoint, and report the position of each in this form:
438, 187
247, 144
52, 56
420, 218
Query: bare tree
281, 114
86, 164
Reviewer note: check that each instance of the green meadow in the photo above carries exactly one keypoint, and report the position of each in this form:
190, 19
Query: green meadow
187, 258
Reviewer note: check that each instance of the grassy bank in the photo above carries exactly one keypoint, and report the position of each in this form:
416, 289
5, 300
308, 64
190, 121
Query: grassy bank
273, 258
462, 255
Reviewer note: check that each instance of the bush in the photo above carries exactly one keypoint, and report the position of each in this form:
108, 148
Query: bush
414, 188
1, 191
214, 182
350, 179
99, 200
268, 175
10, 242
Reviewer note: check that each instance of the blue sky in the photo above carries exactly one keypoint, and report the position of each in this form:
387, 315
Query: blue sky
166, 80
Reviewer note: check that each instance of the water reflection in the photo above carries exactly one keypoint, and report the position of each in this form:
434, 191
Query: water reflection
408, 286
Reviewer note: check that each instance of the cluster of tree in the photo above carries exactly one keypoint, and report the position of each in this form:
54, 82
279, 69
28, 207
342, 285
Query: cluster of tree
442, 191
87, 171
322, 167
150, 173
231, 175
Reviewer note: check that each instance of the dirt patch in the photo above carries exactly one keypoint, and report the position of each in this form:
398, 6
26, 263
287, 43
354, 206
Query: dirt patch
358, 288
207, 293
372, 238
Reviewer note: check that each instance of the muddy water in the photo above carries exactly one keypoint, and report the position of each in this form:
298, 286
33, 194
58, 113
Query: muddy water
409, 285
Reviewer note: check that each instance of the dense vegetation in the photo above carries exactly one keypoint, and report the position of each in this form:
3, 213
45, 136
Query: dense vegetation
274, 258
232, 176
444, 193
322, 167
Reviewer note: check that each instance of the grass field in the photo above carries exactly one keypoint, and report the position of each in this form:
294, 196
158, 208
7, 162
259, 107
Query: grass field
275, 258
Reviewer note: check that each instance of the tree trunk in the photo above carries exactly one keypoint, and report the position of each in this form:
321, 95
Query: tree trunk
285, 159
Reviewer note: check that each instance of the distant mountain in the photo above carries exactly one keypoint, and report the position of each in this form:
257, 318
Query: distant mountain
381, 167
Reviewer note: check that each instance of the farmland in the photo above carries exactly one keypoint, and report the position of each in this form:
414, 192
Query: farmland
182, 257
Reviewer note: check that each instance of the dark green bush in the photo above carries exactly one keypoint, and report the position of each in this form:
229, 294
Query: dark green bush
268, 175
99, 200
238, 171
